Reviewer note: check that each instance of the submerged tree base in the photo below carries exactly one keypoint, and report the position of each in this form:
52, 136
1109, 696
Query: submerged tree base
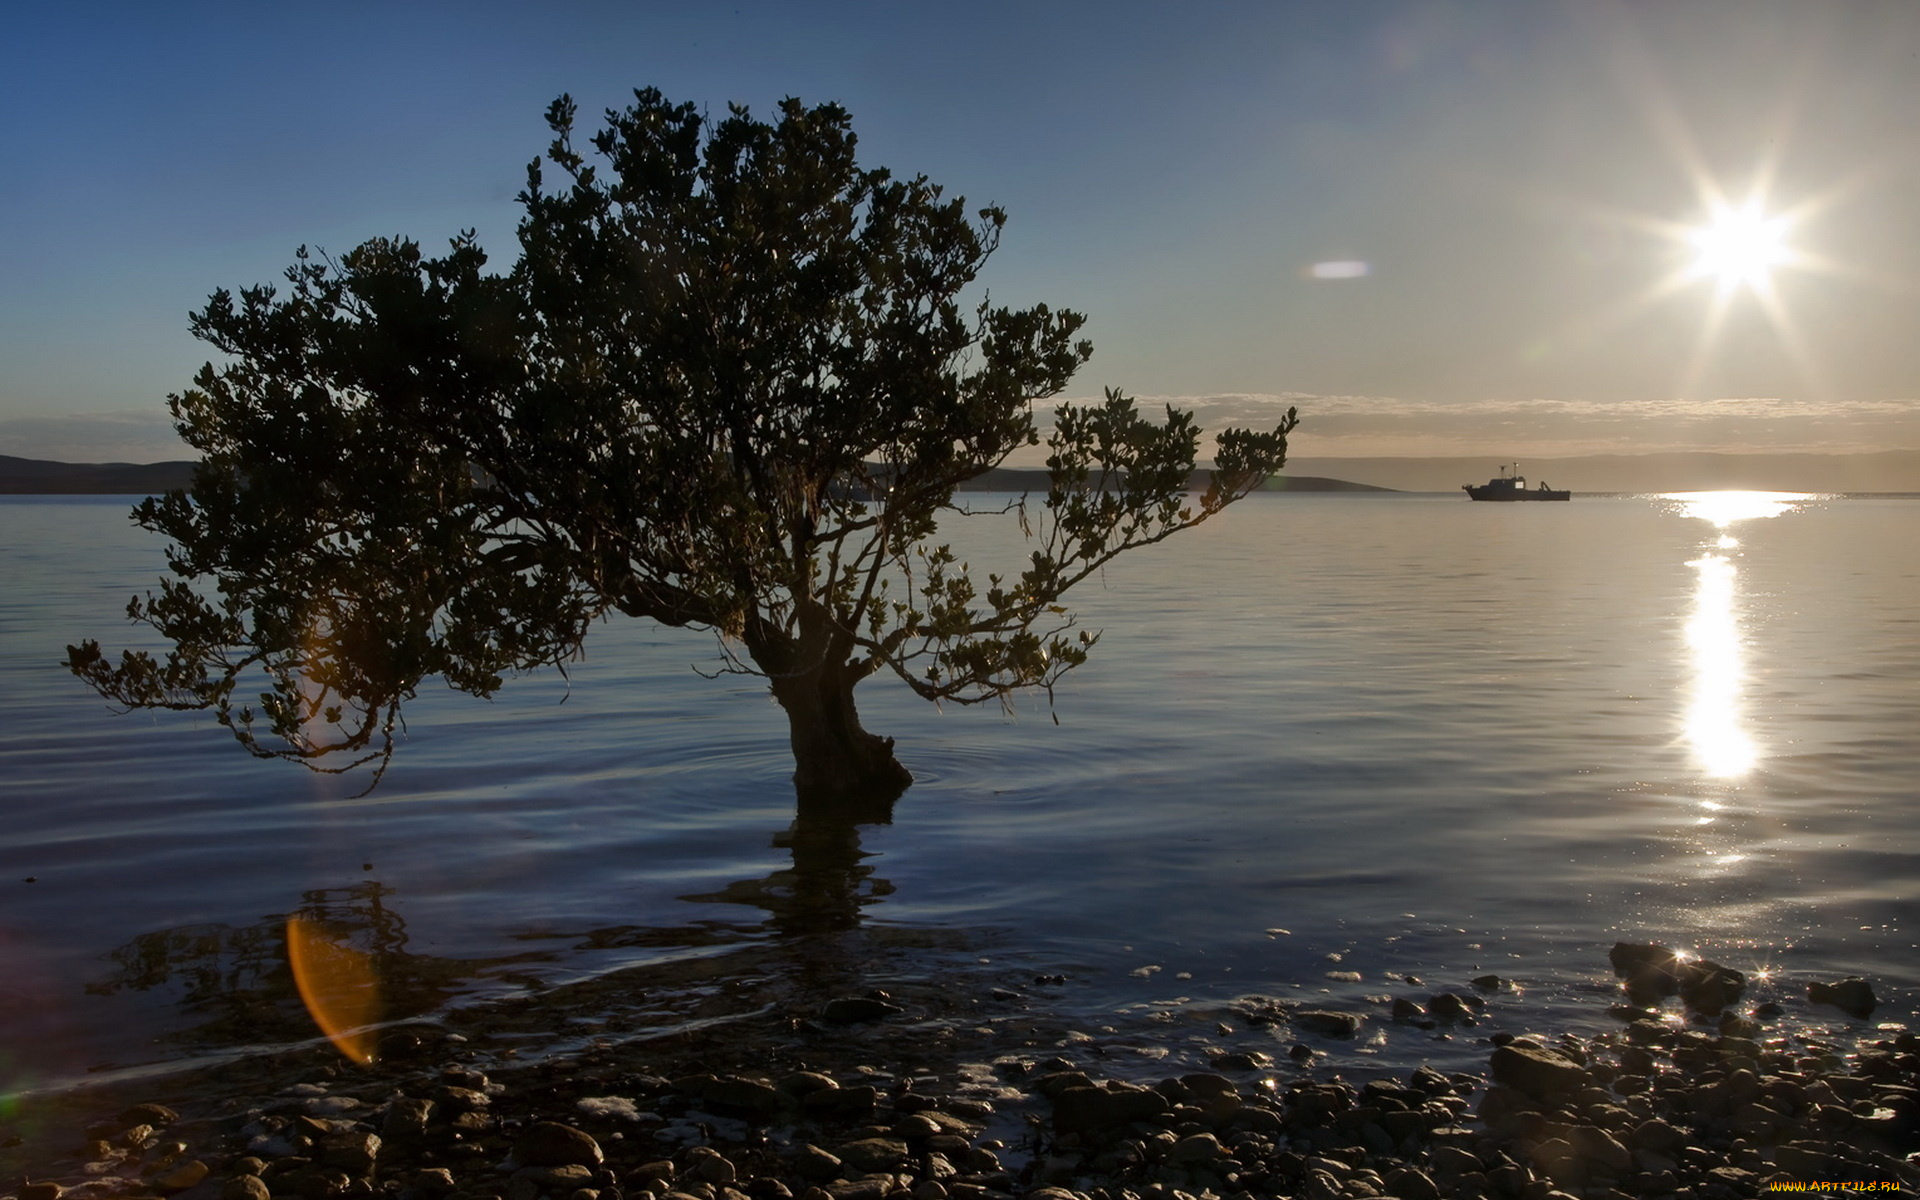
842, 773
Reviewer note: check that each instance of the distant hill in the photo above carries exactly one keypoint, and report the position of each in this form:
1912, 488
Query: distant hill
1318, 483
1027, 479
37, 476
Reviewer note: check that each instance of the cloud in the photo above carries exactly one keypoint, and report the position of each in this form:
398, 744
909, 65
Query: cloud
1386, 426
133, 435
1341, 269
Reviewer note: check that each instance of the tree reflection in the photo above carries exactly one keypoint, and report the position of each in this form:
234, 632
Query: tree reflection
237, 985
237, 982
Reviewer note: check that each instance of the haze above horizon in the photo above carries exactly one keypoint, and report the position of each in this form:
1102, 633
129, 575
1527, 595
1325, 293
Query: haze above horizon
1503, 229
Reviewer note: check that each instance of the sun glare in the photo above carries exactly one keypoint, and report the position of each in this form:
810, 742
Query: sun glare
1740, 247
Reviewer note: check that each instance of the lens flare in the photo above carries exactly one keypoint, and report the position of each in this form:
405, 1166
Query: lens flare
338, 985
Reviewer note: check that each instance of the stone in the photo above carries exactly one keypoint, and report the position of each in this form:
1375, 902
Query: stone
1450, 1007
353, 1152
750, 1096
1649, 969
406, 1117
1410, 1183
1628, 957
179, 1179
1709, 988
1204, 1083
318, 1184
707, 1165
853, 1010
1541, 1073
1090, 1109
1242, 1060
1406, 1011
434, 1182
460, 1099
44, 1190
551, 1144
842, 1101
1196, 1150
1600, 1148
1327, 1022
801, 1084
245, 1187
874, 1154
156, 1115
1657, 1135
816, 1164
1853, 996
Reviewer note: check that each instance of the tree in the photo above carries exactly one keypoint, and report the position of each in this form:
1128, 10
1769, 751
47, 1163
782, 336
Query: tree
729, 384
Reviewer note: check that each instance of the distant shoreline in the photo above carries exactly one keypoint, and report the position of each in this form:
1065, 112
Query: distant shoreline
1894, 474
45, 477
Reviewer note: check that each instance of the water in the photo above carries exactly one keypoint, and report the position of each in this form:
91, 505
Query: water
1426, 736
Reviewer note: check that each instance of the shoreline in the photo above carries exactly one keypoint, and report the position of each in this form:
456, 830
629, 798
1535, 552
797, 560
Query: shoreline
942, 1086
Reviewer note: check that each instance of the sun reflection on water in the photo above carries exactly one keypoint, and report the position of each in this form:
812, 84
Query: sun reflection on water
1715, 721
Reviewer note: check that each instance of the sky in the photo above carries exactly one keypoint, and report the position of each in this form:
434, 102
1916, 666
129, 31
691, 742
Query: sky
1434, 227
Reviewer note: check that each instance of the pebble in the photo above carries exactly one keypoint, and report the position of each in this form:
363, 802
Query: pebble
1650, 1112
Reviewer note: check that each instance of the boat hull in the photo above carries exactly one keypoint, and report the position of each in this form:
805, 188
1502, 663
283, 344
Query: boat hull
1515, 494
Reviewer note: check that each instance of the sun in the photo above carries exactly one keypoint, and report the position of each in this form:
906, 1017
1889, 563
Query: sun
1740, 247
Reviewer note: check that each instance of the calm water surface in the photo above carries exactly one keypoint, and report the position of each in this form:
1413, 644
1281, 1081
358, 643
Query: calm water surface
1422, 735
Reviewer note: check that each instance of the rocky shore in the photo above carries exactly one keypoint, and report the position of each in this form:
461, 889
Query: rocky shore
911, 1095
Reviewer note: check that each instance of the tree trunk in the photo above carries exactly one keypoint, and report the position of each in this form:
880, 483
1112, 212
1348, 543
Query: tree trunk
839, 768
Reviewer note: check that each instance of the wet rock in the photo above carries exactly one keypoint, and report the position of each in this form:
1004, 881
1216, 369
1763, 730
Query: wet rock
1451, 1008
1196, 1150
1649, 969
707, 1165
874, 1154
434, 1182
657, 1176
455, 1099
1486, 983
841, 1101
245, 1187
852, 1010
816, 1164
1595, 1146
406, 1117
1242, 1060
916, 1126
1708, 988
752, 1097
1053, 1083
158, 1116
1410, 1183
353, 1152
1541, 1073
801, 1084
1853, 996
1092, 1109
44, 1190
179, 1179
1327, 1022
551, 1144
1406, 1011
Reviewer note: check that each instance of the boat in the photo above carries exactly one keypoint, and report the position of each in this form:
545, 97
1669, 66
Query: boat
1511, 485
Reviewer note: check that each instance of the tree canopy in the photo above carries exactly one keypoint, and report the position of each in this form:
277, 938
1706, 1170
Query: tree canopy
730, 383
